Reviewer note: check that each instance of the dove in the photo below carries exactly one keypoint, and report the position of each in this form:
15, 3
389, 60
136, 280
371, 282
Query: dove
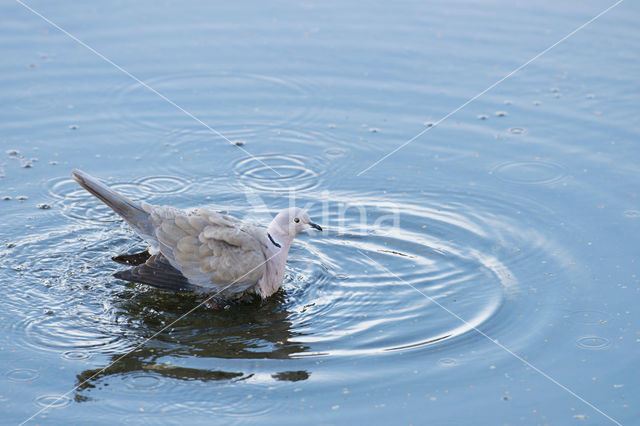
201, 250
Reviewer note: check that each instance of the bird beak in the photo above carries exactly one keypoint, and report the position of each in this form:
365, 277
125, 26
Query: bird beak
315, 225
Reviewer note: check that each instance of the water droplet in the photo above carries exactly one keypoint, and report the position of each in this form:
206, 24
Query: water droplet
44, 206
73, 127
517, 130
482, 117
239, 143
13, 152
374, 130
6, 198
501, 113
22, 198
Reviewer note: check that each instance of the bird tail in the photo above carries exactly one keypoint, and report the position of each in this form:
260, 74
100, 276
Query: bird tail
129, 210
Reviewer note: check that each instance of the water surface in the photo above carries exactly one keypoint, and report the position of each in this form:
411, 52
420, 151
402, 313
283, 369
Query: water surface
485, 273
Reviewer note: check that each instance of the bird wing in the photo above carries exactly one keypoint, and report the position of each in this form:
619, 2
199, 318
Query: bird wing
207, 247
158, 272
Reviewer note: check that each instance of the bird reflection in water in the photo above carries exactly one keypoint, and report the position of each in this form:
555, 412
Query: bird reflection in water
247, 330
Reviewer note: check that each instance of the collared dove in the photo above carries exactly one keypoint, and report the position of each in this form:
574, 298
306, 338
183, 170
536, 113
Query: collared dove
201, 250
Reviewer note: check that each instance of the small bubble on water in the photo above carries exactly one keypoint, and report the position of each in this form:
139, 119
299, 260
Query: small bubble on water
482, 117
508, 102
501, 113
374, 130
238, 143
53, 163
13, 152
22, 198
536, 103
6, 197
590, 96
44, 206
555, 89
73, 127
517, 130
429, 123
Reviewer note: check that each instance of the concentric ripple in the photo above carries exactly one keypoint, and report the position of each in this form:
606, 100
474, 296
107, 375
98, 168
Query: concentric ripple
63, 307
78, 204
593, 342
413, 272
22, 375
284, 173
248, 101
397, 276
391, 275
529, 172
53, 401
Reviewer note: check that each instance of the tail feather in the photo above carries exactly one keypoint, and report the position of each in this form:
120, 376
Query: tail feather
128, 209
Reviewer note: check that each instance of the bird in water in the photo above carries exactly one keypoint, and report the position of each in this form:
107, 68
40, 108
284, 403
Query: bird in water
201, 250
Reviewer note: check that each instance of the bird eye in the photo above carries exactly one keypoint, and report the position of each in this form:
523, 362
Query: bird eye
296, 220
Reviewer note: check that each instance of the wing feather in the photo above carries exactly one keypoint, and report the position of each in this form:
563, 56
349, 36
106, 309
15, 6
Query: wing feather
208, 248
158, 272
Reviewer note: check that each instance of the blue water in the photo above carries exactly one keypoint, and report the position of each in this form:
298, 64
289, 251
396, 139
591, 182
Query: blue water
486, 272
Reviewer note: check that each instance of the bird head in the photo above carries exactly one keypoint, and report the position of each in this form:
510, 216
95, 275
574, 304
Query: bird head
291, 221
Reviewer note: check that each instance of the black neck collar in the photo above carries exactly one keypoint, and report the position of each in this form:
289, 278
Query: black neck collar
273, 241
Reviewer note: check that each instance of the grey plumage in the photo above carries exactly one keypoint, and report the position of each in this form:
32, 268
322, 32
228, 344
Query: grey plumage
127, 209
200, 249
